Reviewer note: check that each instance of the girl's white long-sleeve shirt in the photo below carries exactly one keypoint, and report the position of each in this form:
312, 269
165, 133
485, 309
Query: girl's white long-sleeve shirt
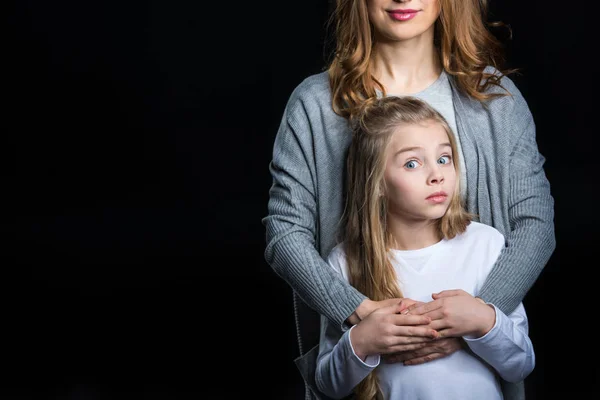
460, 263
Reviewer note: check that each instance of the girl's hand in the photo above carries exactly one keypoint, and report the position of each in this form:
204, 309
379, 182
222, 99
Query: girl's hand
455, 313
386, 331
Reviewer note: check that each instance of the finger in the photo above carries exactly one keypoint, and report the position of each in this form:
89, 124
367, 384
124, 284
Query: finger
446, 333
448, 293
422, 308
442, 346
437, 314
447, 345
424, 359
404, 356
452, 344
417, 353
411, 334
440, 324
391, 308
391, 353
438, 348
403, 320
406, 303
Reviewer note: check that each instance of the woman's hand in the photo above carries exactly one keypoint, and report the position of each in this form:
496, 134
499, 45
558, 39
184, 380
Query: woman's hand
430, 351
368, 306
455, 313
386, 331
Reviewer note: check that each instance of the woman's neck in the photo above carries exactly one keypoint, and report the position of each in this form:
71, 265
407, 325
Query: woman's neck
407, 67
414, 235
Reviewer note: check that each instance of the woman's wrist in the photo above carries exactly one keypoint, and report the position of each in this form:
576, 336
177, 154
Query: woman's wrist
365, 308
361, 312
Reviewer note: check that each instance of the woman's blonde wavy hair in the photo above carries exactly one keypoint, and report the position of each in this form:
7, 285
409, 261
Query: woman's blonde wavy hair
365, 233
465, 44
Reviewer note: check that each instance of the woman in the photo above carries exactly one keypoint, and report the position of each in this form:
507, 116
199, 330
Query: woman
441, 52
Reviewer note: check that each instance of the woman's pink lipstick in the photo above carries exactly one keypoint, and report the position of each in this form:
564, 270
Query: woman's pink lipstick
403, 15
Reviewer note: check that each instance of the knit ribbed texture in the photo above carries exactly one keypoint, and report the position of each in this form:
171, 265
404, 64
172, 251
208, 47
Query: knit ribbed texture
511, 192
305, 204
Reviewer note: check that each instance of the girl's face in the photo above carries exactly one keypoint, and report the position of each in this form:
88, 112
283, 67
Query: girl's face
420, 176
402, 20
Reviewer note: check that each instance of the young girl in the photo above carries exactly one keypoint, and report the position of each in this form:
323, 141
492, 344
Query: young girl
406, 234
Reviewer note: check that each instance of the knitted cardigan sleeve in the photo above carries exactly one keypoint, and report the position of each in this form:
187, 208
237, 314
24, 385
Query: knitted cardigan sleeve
292, 221
531, 239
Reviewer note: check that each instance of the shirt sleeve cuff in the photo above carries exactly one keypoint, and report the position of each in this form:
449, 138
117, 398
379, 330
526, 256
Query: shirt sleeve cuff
371, 361
490, 333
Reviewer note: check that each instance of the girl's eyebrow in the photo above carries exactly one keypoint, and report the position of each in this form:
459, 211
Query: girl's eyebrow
411, 148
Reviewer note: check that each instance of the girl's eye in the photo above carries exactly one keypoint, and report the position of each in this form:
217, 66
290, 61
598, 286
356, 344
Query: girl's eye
444, 160
412, 164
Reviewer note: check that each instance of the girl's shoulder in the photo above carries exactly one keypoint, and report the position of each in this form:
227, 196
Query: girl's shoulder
479, 234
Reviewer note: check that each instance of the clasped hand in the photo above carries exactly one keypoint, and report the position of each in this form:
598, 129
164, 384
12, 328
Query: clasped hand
385, 330
434, 331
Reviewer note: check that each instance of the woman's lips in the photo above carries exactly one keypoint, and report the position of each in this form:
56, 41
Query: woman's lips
403, 15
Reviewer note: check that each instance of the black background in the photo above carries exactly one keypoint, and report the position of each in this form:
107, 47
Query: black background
136, 143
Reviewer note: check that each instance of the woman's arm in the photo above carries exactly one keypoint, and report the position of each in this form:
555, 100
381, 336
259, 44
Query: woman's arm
531, 240
291, 224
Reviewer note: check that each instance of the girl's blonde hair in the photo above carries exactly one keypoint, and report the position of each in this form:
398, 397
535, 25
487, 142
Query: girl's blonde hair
464, 43
365, 233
